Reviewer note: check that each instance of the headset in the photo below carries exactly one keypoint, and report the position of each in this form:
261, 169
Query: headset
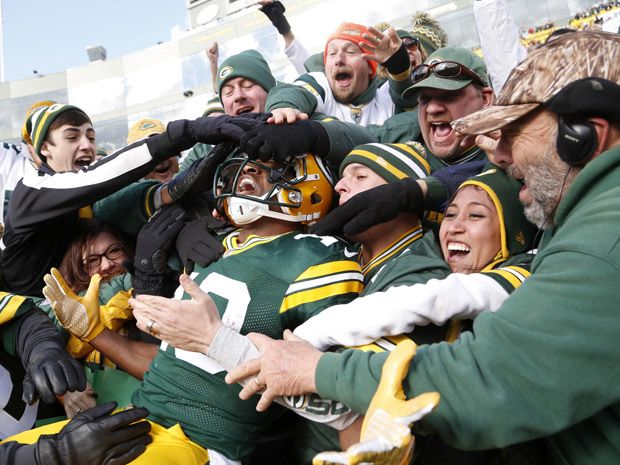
577, 140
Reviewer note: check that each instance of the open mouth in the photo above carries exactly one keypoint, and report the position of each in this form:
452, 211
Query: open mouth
83, 161
441, 130
457, 250
243, 110
343, 78
247, 186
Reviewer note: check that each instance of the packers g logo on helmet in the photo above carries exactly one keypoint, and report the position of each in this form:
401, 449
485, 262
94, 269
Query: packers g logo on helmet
301, 190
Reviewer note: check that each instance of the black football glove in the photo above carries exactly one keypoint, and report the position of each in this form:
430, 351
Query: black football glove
197, 179
275, 13
151, 274
95, 437
369, 208
51, 372
196, 244
183, 134
279, 141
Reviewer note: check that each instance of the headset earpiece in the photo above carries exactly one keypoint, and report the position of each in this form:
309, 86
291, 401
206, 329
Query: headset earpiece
576, 142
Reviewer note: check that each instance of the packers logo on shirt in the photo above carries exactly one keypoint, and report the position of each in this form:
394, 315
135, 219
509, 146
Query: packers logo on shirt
225, 71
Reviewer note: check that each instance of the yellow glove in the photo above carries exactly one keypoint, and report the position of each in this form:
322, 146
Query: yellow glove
386, 438
78, 315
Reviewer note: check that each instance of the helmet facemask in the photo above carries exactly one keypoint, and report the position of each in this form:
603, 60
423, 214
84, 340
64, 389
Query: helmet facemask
301, 190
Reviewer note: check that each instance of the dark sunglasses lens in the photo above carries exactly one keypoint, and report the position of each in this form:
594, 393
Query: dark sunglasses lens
447, 69
419, 73
409, 42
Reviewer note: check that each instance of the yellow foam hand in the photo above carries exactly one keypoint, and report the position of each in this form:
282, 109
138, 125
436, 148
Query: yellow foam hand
78, 315
386, 438
390, 396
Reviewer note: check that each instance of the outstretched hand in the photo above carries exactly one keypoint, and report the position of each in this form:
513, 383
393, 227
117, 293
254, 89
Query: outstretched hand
378, 46
184, 324
78, 315
285, 367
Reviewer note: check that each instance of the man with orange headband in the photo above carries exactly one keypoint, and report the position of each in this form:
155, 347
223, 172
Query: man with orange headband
348, 89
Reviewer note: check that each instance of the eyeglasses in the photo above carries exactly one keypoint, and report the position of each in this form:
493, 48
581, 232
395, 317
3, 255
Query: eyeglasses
411, 42
445, 69
94, 260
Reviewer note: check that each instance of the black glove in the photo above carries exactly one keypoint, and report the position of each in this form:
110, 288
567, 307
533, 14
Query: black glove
197, 179
95, 437
374, 206
280, 141
195, 244
151, 274
183, 134
275, 13
51, 371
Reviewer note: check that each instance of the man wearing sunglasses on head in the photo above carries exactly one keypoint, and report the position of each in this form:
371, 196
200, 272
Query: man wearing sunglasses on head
452, 83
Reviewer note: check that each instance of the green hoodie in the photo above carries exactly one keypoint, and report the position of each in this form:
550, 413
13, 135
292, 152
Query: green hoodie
546, 364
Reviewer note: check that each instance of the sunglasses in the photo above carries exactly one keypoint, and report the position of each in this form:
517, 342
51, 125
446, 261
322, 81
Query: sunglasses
445, 69
411, 42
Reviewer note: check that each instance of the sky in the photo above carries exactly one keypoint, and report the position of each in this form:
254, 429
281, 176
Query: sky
52, 35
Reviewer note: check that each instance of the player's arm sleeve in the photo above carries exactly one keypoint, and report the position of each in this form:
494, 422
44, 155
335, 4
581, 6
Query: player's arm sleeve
129, 208
334, 281
399, 309
304, 94
544, 338
230, 349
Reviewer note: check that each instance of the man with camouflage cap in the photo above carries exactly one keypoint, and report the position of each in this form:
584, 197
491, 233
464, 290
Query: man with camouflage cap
541, 366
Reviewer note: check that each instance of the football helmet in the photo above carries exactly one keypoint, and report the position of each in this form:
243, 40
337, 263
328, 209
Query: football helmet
301, 189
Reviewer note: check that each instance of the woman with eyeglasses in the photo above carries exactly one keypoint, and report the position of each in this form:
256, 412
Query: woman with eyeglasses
100, 248
97, 248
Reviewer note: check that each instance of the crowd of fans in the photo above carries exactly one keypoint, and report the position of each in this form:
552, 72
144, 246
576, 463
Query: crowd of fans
399, 192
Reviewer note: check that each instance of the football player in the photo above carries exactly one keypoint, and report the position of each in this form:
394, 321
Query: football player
272, 277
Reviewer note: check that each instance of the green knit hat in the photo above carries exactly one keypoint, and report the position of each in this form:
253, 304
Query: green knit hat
390, 161
516, 232
428, 31
248, 64
459, 55
42, 119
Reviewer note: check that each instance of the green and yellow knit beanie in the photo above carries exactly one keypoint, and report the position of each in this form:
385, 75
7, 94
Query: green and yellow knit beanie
27, 126
390, 161
428, 31
42, 119
248, 64
516, 232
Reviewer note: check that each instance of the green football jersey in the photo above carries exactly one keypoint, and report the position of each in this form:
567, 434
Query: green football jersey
265, 285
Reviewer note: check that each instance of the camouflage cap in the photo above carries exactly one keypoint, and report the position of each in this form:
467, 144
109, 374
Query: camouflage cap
458, 55
544, 74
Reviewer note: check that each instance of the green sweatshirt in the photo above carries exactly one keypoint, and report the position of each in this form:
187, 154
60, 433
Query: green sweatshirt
546, 364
